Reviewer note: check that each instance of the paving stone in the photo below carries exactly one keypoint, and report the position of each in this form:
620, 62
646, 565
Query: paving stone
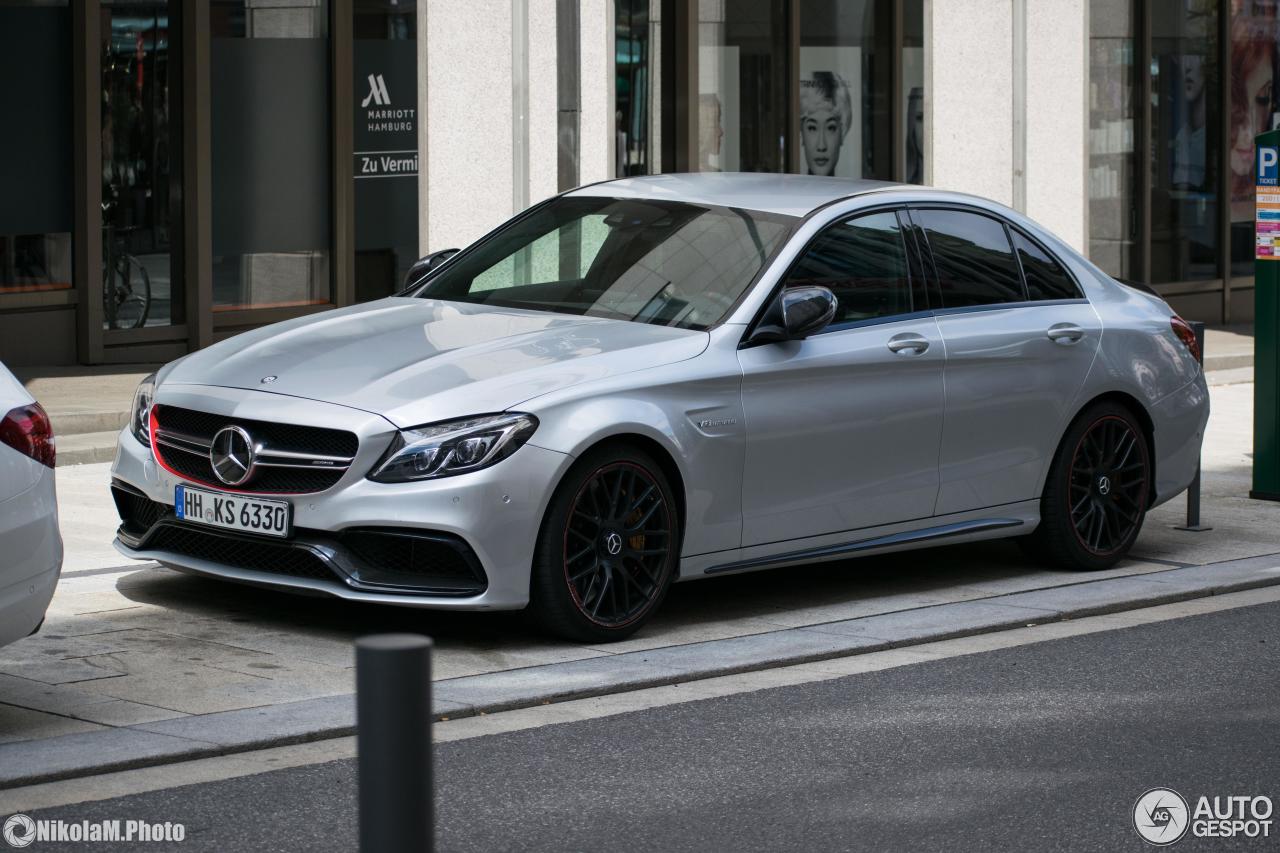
119, 712
55, 671
794, 645
55, 698
19, 724
948, 620
28, 762
286, 722
1086, 598
496, 690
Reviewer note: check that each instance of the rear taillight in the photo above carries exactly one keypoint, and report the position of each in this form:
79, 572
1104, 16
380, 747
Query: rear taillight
1186, 334
27, 430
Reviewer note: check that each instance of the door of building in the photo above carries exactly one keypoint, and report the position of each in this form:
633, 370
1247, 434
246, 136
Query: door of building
141, 150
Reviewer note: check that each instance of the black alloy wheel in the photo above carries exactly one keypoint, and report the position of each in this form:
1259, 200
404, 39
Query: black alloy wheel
608, 547
1108, 485
1096, 495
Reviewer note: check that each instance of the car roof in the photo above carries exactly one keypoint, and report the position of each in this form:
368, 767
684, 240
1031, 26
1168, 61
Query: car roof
790, 195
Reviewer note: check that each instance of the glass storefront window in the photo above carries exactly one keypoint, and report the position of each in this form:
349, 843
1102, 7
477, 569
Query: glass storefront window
1255, 50
1186, 140
271, 153
141, 164
637, 46
742, 97
845, 65
36, 149
782, 86
385, 133
1113, 174
912, 93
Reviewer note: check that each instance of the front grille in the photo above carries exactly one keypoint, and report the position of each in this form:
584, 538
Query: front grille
137, 511
303, 439
294, 459
240, 552
413, 558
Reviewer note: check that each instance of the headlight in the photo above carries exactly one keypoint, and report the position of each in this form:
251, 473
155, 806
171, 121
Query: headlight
453, 447
140, 416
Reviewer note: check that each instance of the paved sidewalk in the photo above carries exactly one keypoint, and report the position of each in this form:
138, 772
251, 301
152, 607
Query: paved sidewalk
1228, 347
87, 406
140, 664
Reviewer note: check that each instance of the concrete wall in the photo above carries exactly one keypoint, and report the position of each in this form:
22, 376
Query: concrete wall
1005, 105
597, 128
1057, 117
471, 82
465, 176
969, 96
542, 100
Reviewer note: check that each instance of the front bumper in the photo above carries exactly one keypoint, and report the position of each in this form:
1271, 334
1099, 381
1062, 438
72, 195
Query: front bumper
493, 515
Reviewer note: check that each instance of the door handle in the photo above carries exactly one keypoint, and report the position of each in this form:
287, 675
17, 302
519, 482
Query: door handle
1065, 333
907, 344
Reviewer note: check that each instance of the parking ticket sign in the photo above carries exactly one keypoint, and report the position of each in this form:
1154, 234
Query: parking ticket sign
1267, 223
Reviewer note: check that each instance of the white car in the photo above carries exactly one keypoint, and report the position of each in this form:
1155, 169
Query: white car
30, 544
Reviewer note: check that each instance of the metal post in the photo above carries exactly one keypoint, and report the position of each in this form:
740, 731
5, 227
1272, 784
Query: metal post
1266, 321
393, 743
1193, 524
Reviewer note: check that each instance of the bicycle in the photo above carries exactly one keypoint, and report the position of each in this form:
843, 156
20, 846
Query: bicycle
126, 285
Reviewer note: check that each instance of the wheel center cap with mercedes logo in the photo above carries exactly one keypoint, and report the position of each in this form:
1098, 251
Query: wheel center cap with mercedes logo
613, 544
231, 455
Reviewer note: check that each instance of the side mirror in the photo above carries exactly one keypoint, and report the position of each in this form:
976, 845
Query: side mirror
424, 265
796, 313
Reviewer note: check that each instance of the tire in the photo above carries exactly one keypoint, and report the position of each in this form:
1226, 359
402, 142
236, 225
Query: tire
1095, 497
608, 548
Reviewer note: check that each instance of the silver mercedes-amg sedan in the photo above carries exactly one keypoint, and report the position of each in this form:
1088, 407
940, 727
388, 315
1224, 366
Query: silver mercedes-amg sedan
668, 378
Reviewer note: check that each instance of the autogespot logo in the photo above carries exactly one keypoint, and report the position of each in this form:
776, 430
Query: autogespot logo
19, 831
1160, 816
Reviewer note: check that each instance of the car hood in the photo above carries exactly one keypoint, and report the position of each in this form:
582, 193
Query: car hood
415, 361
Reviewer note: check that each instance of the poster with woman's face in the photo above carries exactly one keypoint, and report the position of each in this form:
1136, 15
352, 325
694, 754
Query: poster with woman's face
719, 128
1255, 49
830, 96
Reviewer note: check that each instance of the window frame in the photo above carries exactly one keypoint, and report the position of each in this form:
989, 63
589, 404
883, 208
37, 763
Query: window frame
931, 271
917, 285
1048, 253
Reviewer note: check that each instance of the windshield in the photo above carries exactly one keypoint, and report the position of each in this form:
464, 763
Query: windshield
660, 262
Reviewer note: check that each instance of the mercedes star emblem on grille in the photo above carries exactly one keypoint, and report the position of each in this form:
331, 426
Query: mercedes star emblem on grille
231, 455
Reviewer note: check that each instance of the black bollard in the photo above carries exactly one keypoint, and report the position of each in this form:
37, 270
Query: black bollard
1193, 524
393, 743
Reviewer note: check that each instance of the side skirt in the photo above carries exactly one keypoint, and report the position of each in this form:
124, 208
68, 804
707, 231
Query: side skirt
911, 537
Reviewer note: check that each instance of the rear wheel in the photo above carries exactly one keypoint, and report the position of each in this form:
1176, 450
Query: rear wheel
608, 547
1095, 498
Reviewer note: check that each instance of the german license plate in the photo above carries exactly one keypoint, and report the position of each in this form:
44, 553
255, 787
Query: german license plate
232, 512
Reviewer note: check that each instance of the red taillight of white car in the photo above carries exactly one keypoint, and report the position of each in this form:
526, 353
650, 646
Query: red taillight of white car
1186, 334
27, 430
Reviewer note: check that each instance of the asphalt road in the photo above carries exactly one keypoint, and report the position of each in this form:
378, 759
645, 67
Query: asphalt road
1037, 747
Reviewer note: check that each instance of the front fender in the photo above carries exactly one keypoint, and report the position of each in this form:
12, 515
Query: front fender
696, 419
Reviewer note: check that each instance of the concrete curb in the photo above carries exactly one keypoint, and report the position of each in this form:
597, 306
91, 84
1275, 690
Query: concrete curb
87, 448
201, 736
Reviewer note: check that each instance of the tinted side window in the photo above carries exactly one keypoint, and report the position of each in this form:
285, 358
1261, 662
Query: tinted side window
864, 263
1046, 279
973, 258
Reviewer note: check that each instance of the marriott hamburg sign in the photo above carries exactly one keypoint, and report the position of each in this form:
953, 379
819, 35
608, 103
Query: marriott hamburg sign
388, 130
